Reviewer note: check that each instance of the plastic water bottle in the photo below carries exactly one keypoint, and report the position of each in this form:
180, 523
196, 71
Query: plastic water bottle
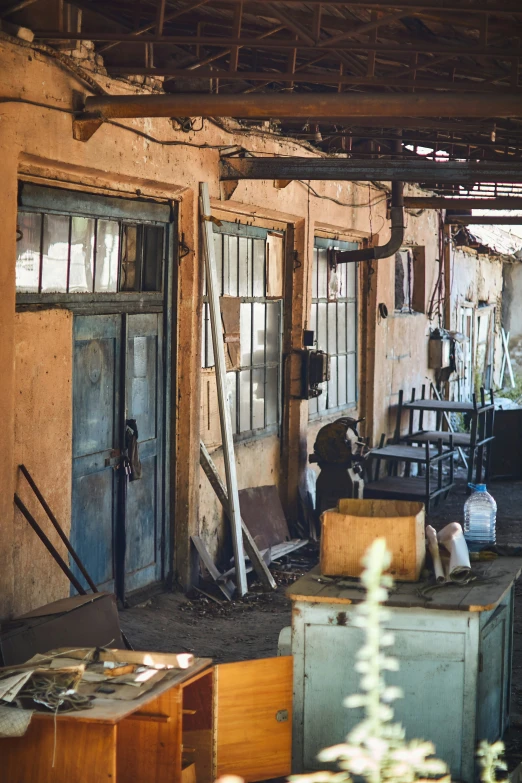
480, 514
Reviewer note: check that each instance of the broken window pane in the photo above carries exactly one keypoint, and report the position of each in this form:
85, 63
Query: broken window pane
107, 254
82, 255
273, 347
258, 399
271, 395
258, 334
352, 378
342, 385
351, 324
28, 252
130, 262
245, 270
153, 250
332, 328
55, 253
244, 401
322, 273
259, 267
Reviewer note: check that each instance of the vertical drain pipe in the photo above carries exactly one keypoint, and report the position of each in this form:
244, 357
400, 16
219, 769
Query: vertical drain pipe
397, 228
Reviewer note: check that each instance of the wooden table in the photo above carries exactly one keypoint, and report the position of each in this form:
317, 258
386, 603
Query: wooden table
114, 741
454, 651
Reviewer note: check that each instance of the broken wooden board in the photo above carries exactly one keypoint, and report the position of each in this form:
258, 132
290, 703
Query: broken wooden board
219, 488
227, 588
263, 515
269, 555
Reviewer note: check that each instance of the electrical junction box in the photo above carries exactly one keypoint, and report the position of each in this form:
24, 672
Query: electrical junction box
439, 353
315, 370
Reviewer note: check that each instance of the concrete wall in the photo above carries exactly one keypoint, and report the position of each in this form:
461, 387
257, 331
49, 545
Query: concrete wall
43, 429
478, 279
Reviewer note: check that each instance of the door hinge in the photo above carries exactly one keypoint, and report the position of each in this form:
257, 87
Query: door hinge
282, 716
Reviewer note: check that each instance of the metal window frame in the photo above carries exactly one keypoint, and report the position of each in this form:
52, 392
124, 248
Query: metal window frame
322, 243
239, 231
409, 272
42, 200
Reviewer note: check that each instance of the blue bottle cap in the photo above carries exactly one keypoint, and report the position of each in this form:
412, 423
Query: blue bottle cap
478, 487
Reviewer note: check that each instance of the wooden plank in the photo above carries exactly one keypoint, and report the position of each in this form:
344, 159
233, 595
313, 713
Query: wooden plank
86, 753
263, 514
251, 548
508, 358
227, 588
219, 359
249, 698
494, 578
275, 552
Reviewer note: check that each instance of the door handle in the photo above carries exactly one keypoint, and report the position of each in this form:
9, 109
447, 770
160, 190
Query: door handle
114, 460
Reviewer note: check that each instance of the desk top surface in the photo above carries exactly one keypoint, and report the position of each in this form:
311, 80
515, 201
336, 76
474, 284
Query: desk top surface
113, 710
494, 579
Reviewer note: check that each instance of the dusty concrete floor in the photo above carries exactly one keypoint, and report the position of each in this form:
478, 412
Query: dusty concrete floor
250, 629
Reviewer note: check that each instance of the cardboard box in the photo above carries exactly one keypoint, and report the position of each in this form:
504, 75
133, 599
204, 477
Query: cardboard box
79, 621
348, 532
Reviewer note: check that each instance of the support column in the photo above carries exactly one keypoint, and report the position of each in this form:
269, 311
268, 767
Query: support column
186, 392
8, 209
298, 264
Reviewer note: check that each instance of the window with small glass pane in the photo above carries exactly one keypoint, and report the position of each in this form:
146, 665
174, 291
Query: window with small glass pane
75, 254
334, 323
254, 387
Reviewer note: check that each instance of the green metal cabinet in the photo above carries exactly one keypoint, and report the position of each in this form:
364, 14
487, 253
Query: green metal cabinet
455, 665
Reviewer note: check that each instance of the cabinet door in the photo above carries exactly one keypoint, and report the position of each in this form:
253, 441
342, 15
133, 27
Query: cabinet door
253, 718
493, 681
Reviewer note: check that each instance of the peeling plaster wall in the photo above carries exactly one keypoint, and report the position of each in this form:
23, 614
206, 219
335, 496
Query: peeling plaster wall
512, 312
43, 429
478, 279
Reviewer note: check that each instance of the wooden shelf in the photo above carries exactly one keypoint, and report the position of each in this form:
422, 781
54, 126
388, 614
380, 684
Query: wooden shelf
462, 439
399, 453
402, 488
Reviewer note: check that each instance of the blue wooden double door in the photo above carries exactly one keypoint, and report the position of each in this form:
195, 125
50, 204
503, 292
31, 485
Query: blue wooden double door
117, 524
